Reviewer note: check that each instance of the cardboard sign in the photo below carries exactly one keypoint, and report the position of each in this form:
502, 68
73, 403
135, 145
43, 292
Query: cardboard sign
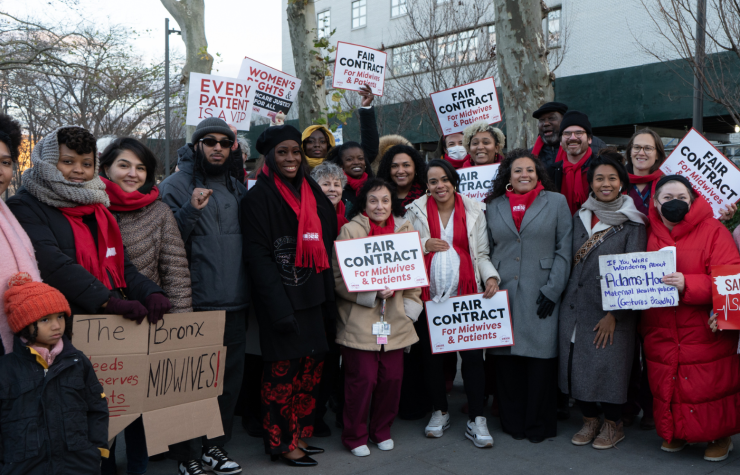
276, 90
633, 281
726, 296
711, 174
373, 263
356, 66
250, 183
460, 106
470, 322
170, 371
476, 182
229, 99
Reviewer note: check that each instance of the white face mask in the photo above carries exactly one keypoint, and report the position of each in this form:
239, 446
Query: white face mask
457, 152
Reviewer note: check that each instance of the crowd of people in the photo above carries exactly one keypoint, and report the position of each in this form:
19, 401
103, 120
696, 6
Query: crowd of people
92, 231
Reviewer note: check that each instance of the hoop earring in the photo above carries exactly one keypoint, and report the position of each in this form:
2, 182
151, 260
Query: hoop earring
509, 187
428, 193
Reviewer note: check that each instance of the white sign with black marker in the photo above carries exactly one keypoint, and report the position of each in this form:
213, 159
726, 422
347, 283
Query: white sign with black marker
634, 281
460, 106
356, 66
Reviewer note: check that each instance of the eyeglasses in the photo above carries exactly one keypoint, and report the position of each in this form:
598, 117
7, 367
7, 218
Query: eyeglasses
211, 142
578, 134
646, 148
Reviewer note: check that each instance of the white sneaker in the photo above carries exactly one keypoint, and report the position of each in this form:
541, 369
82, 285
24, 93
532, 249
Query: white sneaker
385, 445
437, 424
478, 432
361, 451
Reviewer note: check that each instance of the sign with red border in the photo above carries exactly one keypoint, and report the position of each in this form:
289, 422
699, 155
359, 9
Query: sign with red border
460, 106
726, 296
276, 90
356, 66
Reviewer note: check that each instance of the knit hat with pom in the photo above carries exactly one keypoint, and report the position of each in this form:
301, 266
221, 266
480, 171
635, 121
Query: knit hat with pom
27, 301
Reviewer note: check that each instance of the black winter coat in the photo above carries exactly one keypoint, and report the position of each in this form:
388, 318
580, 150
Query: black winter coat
52, 422
370, 143
54, 244
281, 291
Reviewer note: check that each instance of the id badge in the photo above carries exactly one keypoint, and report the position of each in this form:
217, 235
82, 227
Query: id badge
382, 340
381, 329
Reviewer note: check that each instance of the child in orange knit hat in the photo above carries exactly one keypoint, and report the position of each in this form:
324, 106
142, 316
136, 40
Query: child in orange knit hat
53, 412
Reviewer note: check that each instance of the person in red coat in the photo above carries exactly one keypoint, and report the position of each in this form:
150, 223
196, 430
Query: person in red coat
694, 374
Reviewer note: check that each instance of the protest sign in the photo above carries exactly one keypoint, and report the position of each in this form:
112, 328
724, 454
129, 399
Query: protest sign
229, 99
169, 373
460, 106
711, 174
633, 281
470, 322
726, 296
373, 263
250, 183
276, 90
476, 182
356, 65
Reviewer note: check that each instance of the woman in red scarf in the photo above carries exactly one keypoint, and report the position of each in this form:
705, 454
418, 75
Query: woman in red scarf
350, 157
451, 148
404, 166
455, 243
484, 143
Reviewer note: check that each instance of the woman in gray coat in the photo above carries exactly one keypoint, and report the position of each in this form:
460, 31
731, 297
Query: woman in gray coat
596, 346
530, 228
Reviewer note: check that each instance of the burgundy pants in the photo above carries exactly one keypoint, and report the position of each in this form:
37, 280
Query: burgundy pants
372, 384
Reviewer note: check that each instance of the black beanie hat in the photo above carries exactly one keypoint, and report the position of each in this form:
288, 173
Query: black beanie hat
575, 118
550, 107
212, 125
679, 178
272, 136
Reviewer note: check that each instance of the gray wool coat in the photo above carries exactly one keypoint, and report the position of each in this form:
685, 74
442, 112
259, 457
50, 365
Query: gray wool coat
529, 261
598, 375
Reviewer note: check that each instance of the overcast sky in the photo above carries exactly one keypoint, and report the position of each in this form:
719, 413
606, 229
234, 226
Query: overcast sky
234, 28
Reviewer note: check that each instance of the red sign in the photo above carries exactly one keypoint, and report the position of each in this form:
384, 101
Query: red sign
726, 296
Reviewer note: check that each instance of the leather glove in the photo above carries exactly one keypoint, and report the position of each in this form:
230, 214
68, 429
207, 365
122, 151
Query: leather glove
130, 309
546, 306
157, 305
286, 326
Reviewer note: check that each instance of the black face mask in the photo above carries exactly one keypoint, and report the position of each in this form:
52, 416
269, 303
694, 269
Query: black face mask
674, 210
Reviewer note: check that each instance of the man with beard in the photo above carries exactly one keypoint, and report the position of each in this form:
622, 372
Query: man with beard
547, 145
205, 199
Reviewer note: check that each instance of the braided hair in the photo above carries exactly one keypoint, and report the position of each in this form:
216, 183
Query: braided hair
199, 169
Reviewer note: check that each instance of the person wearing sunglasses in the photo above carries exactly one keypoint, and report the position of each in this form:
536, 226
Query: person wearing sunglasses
206, 200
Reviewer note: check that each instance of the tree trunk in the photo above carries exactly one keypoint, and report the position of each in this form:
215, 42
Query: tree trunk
309, 69
189, 15
522, 66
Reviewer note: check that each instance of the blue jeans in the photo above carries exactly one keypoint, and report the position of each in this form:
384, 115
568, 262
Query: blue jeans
137, 458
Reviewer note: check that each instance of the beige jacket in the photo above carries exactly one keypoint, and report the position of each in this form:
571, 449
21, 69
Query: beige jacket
359, 310
477, 235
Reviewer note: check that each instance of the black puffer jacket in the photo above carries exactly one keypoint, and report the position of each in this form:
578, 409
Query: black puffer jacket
52, 422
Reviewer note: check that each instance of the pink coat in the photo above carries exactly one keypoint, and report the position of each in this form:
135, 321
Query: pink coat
17, 256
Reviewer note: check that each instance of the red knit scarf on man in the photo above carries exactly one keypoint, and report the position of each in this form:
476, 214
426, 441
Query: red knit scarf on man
575, 186
123, 201
105, 258
455, 162
466, 284
539, 143
375, 230
520, 203
310, 250
356, 183
341, 218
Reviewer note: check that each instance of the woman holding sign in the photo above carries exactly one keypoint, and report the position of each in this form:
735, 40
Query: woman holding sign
694, 374
455, 244
530, 227
373, 362
484, 144
596, 347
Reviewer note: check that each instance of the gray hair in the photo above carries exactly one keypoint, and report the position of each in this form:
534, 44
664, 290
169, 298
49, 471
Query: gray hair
329, 170
244, 144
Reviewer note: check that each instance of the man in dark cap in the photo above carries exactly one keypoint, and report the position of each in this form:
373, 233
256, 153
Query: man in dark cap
547, 145
206, 200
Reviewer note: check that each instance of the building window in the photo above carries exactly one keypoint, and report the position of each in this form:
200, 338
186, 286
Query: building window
409, 59
553, 27
458, 48
398, 8
492, 35
323, 24
359, 13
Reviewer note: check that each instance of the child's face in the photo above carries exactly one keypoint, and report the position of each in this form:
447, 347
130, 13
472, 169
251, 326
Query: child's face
51, 329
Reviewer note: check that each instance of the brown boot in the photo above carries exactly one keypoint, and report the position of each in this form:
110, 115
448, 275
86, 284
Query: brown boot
610, 435
718, 450
587, 432
676, 445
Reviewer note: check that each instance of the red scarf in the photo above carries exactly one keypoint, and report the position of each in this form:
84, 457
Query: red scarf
637, 180
520, 203
107, 257
416, 192
538, 144
469, 161
122, 201
341, 219
467, 284
575, 186
356, 183
310, 250
375, 230
455, 162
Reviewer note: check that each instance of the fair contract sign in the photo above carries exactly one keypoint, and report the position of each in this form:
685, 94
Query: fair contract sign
460, 106
393, 261
476, 182
356, 66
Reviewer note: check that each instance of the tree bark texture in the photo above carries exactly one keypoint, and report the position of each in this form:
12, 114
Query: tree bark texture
522, 66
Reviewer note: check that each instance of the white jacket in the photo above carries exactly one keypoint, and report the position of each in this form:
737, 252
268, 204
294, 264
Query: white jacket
477, 235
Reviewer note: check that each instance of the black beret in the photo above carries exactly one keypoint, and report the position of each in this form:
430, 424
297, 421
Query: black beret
575, 118
679, 178
550, 107
272, 136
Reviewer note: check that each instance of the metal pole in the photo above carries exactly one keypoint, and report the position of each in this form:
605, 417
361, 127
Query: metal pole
166, 97
701, 22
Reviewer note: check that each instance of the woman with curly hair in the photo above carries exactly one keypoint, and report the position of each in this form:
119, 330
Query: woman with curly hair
484, 144
530, 229
404, 166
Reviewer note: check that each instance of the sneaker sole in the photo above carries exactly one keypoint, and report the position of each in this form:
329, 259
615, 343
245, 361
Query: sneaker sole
672, 451
232, 471
723, 457
603, 447
574, 442
434, 434
476, 443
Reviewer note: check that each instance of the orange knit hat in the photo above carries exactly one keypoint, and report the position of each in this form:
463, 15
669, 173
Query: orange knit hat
27, 301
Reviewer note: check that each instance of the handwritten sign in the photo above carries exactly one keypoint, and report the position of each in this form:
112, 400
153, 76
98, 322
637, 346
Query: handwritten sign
229, 99
711, 174
460, 106
276, 91
373, 263
357, 65
476, 182
726, 296
633, 281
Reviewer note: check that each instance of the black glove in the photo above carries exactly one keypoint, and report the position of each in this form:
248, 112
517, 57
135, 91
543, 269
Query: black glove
546, 306
130, 309
286, 326
157, 305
